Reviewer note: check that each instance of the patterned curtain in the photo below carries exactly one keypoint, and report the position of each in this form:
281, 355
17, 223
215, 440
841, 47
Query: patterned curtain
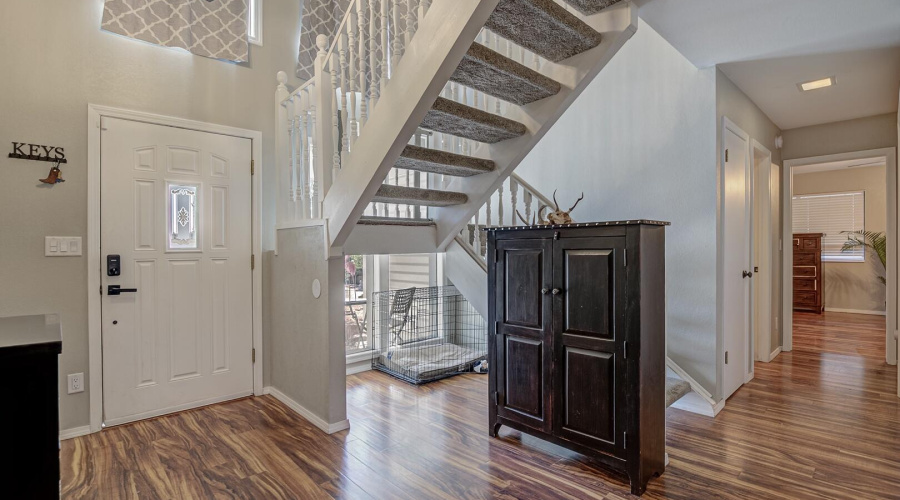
210, 28
319, 17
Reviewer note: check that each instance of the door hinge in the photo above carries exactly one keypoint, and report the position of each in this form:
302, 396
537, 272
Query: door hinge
726, 156
625, 440
625, 349
496, 254
555, 235
253, 355
252, 167
625, 254
726, 357
252, 262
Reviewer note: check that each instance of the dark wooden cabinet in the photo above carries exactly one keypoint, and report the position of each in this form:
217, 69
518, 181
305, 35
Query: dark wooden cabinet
29, 457
577, 340
808, 272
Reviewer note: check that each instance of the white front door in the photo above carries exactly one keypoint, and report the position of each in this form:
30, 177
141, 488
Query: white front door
175, 208
736, 260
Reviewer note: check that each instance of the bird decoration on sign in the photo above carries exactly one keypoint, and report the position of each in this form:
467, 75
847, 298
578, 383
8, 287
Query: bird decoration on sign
555, 217
54, 177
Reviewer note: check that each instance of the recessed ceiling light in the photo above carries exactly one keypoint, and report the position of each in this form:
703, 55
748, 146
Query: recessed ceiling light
816, 84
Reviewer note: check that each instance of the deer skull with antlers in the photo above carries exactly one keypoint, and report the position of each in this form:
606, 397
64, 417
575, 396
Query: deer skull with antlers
557, 216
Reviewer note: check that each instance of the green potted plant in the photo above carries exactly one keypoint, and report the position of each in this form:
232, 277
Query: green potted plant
875, 240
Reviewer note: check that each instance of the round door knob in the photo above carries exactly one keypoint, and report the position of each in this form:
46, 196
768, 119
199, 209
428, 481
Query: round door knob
544, 291
115, 322
557, 291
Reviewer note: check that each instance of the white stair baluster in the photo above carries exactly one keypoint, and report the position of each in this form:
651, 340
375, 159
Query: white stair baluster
476, 236
352, 25
410, 21
374, 37
385, 45
514, 200
292, 166
528, 198
396, 36
345, 114
362, 22
487, 213
305, 156
500, 205
335, 117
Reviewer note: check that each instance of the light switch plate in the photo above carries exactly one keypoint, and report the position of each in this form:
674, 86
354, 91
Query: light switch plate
62, 246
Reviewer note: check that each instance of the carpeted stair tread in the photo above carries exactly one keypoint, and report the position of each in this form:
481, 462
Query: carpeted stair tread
590, 7
675, 390
416, 196
457, 119
442, 162
543, 27
368, 220
499, 76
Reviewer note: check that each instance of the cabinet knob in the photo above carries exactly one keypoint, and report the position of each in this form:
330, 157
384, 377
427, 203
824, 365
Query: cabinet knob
557, 291
544, 291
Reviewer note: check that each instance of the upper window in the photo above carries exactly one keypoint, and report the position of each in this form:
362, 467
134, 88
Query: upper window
835, 215
254, 23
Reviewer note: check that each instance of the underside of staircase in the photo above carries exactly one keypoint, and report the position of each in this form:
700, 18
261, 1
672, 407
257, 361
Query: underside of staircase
570, 47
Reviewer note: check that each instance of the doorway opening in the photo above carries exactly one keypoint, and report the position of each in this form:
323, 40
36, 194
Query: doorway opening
840, 243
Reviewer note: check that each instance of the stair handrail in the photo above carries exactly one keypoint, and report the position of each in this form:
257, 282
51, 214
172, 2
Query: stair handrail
319, 121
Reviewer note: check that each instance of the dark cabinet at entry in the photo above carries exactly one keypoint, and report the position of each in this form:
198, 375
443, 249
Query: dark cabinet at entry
577, 341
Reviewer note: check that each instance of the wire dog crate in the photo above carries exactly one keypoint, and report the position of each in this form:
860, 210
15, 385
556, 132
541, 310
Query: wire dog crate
426, 334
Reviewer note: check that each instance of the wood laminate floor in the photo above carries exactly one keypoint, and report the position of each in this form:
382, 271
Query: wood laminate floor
820, 422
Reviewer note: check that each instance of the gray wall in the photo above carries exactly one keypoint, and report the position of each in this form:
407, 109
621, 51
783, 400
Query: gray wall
56, 61
731, 102
853, 285
640, 143
305, 352
873, 132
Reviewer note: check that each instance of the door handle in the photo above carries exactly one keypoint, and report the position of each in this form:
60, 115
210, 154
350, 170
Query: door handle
748, 274
544, 291
556, 291
118, 290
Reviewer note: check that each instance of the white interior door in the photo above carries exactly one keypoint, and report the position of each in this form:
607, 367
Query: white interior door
737, 266
176, 208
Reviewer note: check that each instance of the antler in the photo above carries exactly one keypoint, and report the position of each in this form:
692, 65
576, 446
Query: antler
523, 219
576, 202
555, 202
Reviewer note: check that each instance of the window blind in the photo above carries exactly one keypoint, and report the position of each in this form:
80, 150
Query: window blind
832, 214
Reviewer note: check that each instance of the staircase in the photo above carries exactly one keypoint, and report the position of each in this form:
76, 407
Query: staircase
420, 110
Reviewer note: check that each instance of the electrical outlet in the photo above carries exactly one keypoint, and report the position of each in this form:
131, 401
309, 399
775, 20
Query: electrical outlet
76, 383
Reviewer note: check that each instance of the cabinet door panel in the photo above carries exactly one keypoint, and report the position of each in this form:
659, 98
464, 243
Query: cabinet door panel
589, 318
590, 412
523, 342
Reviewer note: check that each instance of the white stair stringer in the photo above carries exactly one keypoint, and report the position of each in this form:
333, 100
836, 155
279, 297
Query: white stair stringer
432, 56
617, 24
468, 272
699, 400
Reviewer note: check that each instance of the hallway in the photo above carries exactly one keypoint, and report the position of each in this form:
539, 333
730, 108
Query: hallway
820, 422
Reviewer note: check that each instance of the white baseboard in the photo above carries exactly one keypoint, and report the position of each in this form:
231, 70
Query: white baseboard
699, 400
696, 403
74, 432
308, 415
775, 353
855, 311
358, 367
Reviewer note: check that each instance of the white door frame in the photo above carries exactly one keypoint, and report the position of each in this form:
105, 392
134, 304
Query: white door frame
762, 284
728, 125
787, 181
95, 360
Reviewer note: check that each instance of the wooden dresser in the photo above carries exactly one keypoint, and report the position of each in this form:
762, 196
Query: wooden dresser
577, 340
29, 456
808, 272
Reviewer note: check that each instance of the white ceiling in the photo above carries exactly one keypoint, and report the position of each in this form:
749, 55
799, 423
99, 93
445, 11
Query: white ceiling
767, 47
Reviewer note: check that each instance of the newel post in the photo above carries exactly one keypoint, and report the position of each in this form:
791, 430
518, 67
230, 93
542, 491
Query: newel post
282, 148
324, 115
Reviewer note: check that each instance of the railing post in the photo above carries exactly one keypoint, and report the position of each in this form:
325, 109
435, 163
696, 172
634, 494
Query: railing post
281, 147
323, 123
